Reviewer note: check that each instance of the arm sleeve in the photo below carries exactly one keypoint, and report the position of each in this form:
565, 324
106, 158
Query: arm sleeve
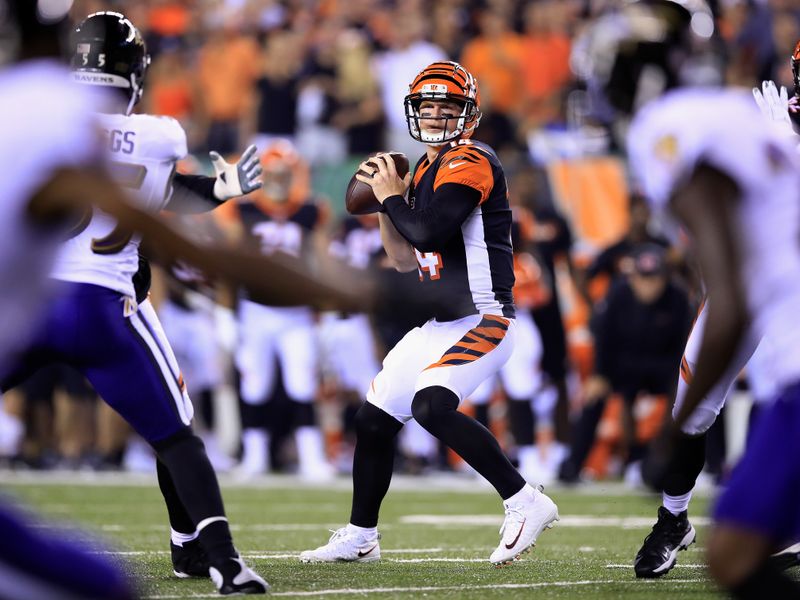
192, 194
428, 229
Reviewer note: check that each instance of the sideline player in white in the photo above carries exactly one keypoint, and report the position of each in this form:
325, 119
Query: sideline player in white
280, 219
456, 231
109, 331
736, 189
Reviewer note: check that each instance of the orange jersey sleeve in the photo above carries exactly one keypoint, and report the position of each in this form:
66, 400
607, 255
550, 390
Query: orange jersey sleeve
466, 165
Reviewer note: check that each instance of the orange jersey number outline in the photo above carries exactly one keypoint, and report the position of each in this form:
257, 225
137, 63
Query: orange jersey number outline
430, 263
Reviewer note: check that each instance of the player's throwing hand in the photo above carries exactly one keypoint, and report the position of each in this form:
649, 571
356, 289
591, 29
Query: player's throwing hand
384, 179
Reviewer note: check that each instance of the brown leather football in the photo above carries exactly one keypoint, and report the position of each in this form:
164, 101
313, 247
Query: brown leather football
359, 199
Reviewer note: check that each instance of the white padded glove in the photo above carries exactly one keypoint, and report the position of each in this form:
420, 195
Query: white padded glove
239, 179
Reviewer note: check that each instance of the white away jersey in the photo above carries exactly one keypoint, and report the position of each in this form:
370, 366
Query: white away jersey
46, 123
724, 128
143, 150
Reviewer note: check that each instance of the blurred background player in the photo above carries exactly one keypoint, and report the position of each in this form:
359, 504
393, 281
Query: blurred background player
357, 242
121, 347
280, 218
455, 229
200, 324
735, 191
640, 329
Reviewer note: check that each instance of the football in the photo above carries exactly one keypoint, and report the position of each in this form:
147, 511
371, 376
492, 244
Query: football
359, 199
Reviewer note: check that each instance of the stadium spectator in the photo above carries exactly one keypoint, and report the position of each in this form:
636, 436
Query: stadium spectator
171, 86
318, 140
227, 71
408, 53
274, 113
360, 112
496, 58
546, 47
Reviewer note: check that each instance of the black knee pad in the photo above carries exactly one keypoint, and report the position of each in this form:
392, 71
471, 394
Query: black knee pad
430, 402
373, 424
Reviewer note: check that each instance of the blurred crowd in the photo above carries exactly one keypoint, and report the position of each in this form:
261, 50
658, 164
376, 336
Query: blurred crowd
318, 85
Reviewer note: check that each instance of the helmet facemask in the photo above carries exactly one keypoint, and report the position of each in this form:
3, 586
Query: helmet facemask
442, 82
466, 121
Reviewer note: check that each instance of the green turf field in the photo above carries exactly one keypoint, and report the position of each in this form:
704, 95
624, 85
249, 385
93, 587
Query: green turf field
437, 536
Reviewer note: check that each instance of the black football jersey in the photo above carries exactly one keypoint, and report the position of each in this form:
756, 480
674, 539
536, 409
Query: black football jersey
473, 271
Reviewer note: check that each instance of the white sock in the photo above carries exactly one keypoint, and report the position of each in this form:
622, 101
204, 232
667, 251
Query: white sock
526, 494
368, 533
677, 504
255, 444
310, 446
527, 457
179, 539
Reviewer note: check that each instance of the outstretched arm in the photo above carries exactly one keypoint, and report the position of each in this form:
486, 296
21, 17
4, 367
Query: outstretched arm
198, 193
271, 280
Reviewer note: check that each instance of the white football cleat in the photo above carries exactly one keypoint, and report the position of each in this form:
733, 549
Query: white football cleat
345, 546
524, 521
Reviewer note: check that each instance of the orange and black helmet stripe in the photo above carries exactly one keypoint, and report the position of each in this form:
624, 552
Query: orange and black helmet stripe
477, 342
460, 80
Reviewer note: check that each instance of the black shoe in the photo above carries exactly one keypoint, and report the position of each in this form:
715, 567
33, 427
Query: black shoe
189, 560
659, 552
786, 558
235, 577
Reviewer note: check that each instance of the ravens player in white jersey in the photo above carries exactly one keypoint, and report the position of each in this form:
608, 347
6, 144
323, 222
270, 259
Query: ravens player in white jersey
455, 230
51, 147
109, 331
736, 190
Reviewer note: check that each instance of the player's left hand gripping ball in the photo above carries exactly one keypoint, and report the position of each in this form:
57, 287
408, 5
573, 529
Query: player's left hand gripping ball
239, 179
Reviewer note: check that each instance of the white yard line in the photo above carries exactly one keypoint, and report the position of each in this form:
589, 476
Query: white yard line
444, 588
437, 483
273, 553
321, 527
566, 521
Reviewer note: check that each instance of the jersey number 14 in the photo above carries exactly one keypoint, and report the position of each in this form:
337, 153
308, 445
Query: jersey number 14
430, 263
